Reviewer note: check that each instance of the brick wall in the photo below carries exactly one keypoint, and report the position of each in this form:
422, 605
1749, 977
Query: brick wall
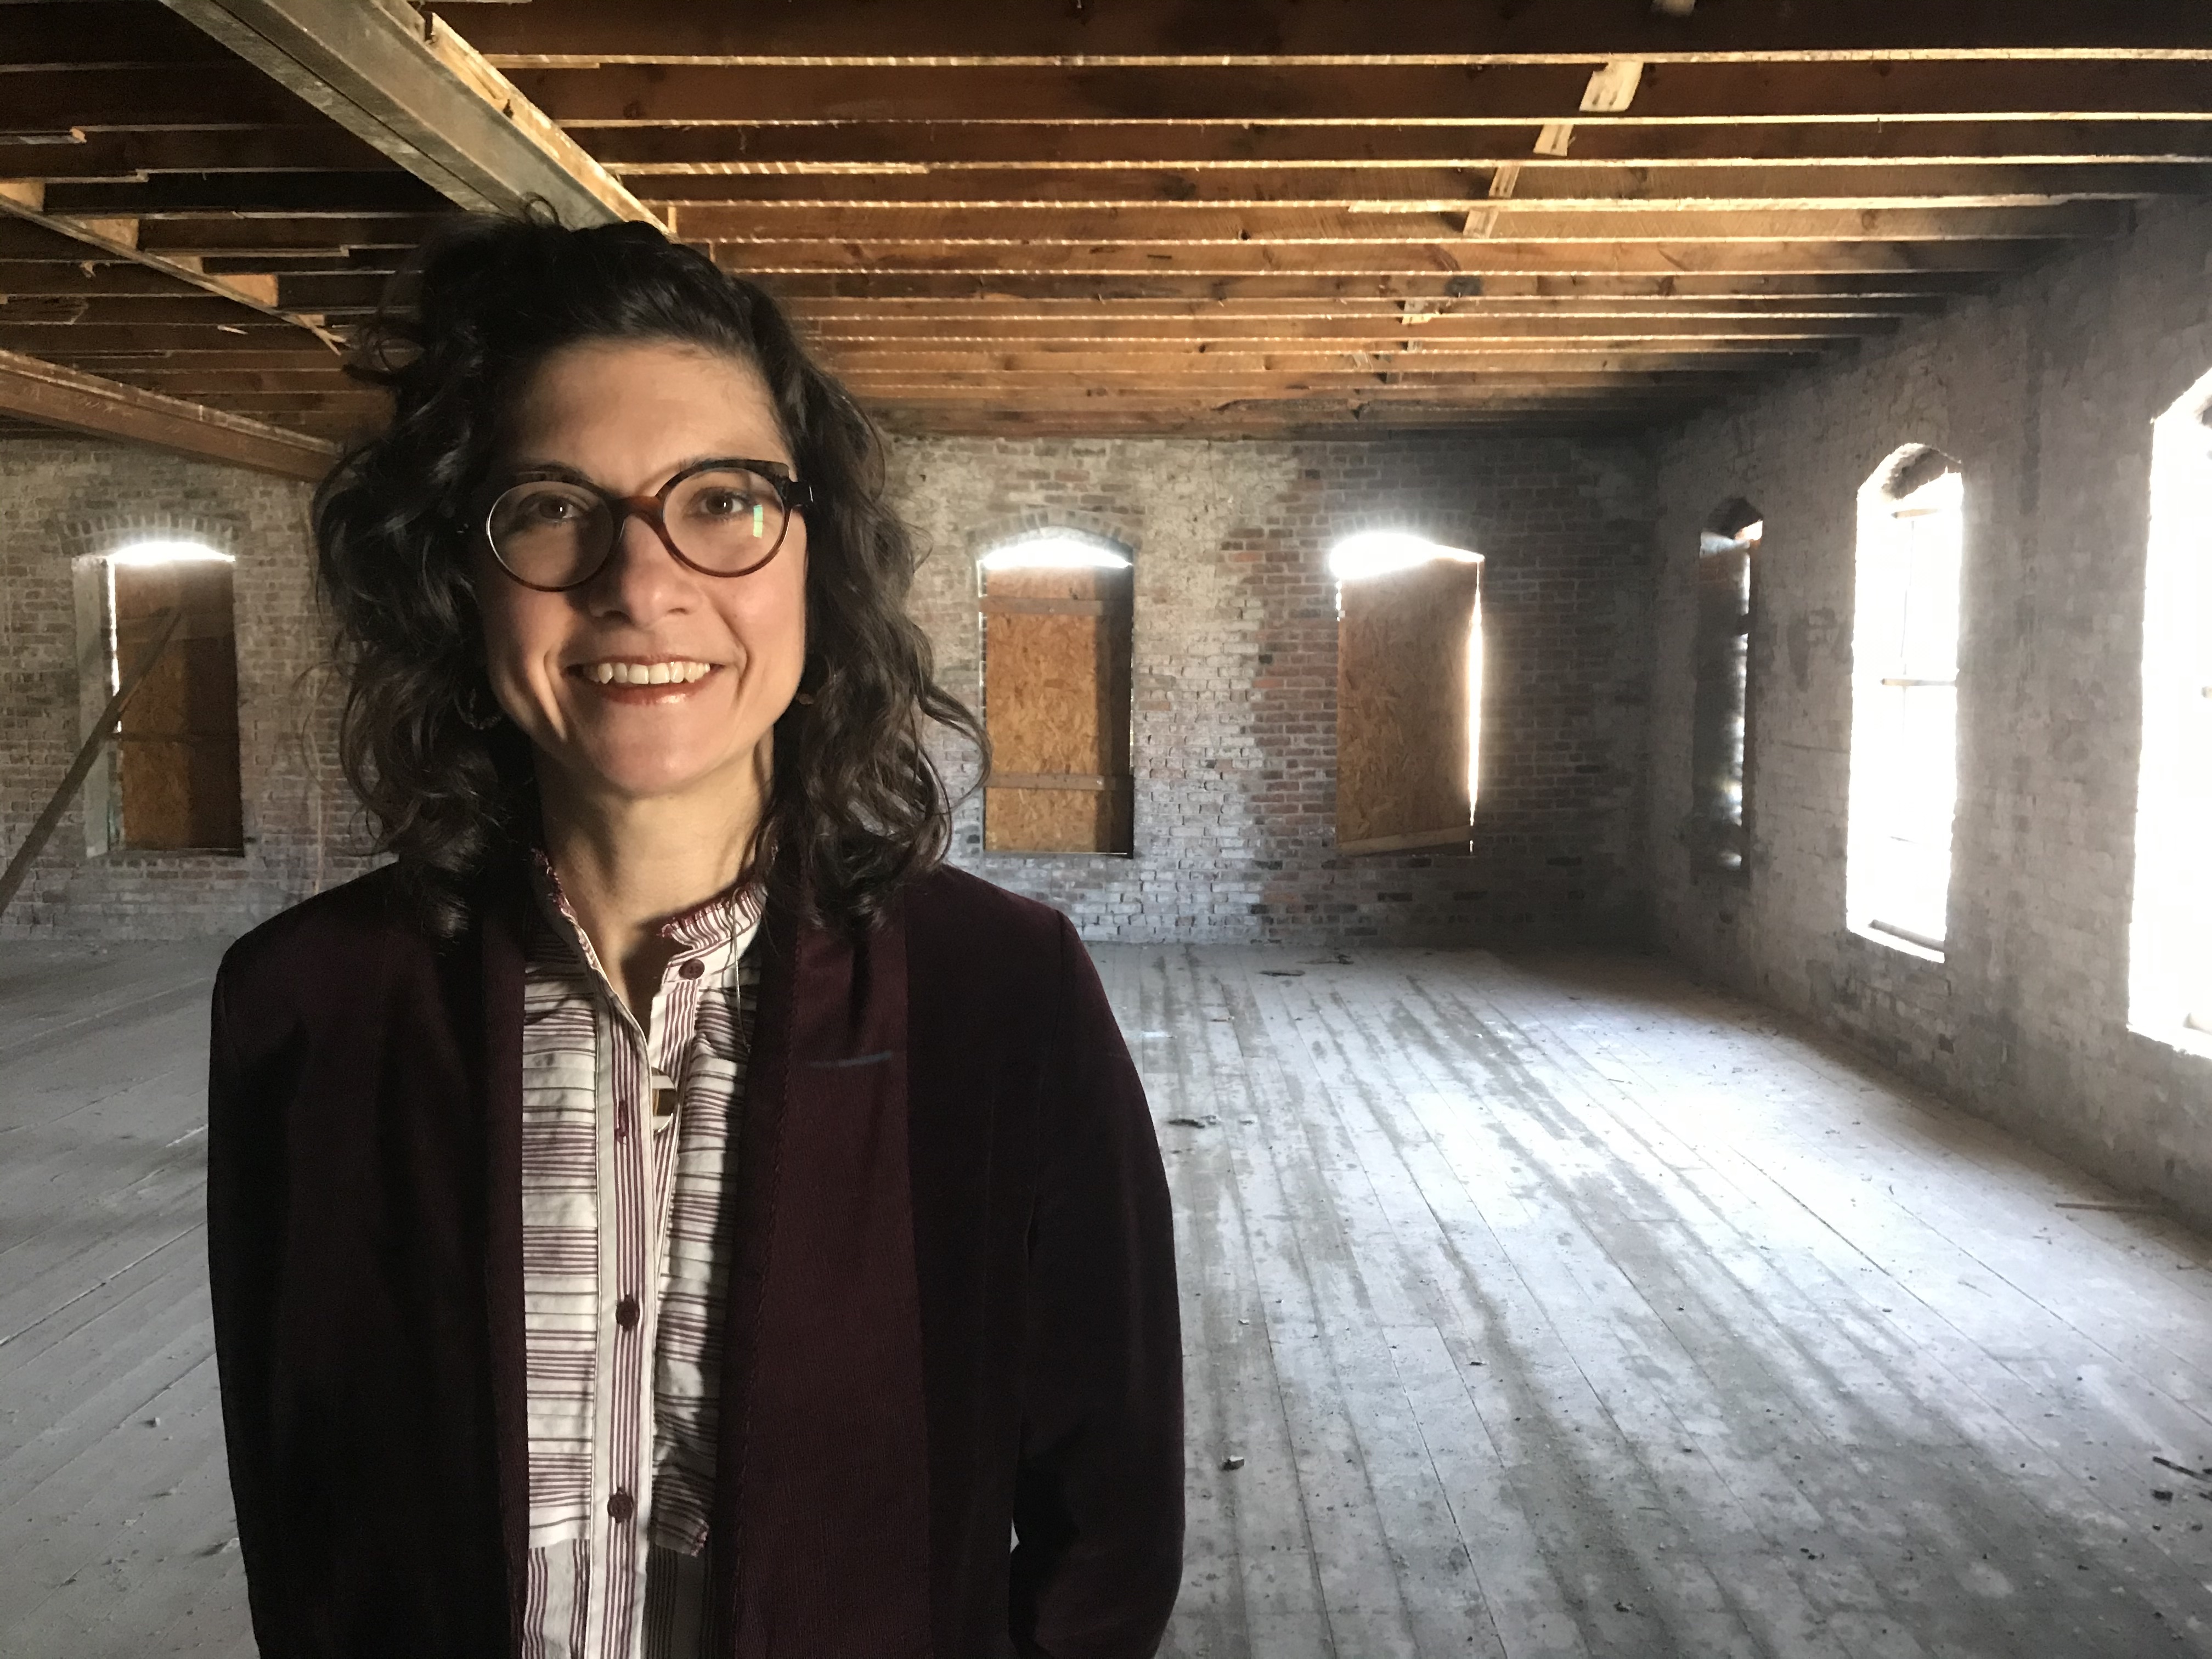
1234, 733
1235, 676
65, 498
2045, 392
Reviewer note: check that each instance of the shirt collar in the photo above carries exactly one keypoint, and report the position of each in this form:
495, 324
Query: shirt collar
728, 917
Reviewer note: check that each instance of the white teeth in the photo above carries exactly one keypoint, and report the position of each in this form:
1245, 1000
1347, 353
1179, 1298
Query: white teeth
640, 673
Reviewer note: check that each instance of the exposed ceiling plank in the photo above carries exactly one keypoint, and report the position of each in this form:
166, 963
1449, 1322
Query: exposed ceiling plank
630, 151
746, 223
387, 190
1464, 257
80, 154
1169, 334
220, 233
420, 96
1555, 185
1252, 31
55, 396
144, 96
22, 208
2018, 89
806, 289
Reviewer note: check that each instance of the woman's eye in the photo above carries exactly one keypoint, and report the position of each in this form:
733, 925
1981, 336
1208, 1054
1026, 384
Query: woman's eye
723, 503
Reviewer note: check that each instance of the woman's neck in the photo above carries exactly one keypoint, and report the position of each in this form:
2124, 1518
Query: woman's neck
627, 864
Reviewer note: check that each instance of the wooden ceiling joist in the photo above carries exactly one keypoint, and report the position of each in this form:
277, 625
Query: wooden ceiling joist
1413, 188
419, 94
54, 396
121, 239
731, 223
1245, 216
872, 145
1514, 94
1257, 34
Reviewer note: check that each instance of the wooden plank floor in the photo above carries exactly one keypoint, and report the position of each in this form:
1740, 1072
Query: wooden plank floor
1546, 1307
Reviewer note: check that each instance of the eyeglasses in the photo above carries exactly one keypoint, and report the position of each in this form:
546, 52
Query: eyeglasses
719, 518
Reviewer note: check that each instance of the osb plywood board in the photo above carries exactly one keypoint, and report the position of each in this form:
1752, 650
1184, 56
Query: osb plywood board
178, 747
1056, 820
1402, 713
1056, 701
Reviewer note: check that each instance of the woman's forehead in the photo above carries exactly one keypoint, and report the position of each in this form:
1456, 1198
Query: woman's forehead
629, 404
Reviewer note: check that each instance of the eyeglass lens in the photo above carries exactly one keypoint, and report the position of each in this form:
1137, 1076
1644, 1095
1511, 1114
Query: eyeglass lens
725, 520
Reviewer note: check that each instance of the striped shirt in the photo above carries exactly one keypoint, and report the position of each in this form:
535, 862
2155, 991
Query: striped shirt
626, 1143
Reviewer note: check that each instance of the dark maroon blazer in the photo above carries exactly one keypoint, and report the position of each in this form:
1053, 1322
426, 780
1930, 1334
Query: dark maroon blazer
952, 1312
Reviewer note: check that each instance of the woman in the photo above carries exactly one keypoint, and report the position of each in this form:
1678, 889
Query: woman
664, 1211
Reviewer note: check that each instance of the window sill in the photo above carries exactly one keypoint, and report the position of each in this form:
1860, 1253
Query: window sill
2181, 1038
1897, 942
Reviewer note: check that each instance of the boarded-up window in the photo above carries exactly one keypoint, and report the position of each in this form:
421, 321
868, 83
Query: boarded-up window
1056, 704
177, 766
1408, 676
1722, 710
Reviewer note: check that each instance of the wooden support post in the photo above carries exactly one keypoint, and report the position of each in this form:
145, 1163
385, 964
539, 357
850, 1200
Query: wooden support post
103, 729
68, 398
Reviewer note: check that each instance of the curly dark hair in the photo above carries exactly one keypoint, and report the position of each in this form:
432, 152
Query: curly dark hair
856, 806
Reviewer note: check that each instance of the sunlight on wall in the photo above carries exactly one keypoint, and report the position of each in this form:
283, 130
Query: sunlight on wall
2170, 943
1904, 706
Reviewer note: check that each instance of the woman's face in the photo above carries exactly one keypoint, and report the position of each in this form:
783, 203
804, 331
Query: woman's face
627, 415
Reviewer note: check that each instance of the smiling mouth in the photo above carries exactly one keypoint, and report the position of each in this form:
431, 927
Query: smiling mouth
674, 671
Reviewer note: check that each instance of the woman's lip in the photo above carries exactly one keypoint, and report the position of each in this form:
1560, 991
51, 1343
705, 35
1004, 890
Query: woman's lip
621, 691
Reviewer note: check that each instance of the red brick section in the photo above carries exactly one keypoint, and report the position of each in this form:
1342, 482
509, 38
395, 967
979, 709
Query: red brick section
1234, 717
65, 498
1234, 737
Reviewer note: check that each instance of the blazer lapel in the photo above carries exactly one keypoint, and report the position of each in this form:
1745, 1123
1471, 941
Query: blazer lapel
821, 1532
502, 935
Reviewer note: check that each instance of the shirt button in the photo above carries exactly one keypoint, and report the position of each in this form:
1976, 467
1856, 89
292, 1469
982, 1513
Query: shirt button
692, 969
626, 1312
621, 1125
621, 1506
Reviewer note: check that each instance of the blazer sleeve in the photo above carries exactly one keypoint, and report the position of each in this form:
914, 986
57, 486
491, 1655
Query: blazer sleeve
1098, 1500
246, 1206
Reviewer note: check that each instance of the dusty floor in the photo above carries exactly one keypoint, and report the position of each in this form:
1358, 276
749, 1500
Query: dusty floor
1552, 1307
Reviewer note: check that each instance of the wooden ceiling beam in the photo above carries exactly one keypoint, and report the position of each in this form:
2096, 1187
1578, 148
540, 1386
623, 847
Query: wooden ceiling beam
1439, 333
73, 401
86, 281
82, 156
232, 234
385, 189
1517, 94
804, 290
917, 388
73, 340
1253, 32
217, 359
145, 97
173, 309
637, 152
22, 210
85, 33
1472, 258
416, 92
740, 224
1558, 186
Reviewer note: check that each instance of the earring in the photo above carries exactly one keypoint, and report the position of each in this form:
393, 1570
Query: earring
474, 717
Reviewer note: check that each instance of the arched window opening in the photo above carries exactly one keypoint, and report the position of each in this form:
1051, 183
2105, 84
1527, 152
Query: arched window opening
1056, 615
1905, 700
1409, 691
170, 781
1722, 704
2170, 943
